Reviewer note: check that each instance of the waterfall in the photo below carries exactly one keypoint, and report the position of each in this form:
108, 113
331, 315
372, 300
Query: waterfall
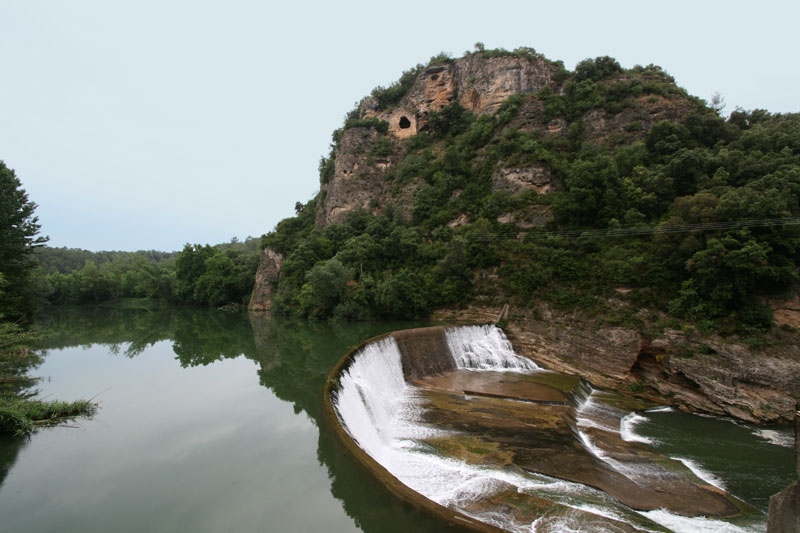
382, 413
485, 348
372, 394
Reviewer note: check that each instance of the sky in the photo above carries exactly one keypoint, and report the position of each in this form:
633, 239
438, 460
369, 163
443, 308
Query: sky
151, 124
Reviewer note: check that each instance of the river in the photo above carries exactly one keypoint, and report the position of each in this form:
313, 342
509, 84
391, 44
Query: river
212, 421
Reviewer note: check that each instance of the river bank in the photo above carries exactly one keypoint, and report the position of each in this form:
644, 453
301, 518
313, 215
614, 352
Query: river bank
754, 380
20, 411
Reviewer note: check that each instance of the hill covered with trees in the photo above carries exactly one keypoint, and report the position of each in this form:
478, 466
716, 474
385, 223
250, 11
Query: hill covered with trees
502, 177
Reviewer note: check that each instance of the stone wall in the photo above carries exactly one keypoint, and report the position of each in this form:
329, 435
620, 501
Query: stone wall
423, 352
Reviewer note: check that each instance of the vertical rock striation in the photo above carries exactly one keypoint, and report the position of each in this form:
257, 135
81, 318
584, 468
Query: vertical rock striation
269, 270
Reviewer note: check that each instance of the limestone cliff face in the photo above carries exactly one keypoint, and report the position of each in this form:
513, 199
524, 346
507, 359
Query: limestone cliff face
479, 83
365, 159
266, 277
695, 373
686, 370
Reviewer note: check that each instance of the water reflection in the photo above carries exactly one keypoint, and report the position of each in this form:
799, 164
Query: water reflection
292, 358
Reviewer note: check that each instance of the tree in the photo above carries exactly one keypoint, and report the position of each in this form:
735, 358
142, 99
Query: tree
19, 229
597, 68
190, 265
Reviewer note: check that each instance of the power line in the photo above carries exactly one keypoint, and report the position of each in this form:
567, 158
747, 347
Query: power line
650, 230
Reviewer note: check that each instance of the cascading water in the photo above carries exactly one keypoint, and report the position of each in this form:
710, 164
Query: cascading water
383, 413
373, 397
485, 348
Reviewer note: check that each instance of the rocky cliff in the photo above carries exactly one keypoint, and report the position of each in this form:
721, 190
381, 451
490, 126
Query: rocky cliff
694, 372
526, 104
480, 84
365, 159
267, 276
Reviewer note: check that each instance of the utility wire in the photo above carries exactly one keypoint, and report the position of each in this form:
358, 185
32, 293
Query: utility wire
649, 230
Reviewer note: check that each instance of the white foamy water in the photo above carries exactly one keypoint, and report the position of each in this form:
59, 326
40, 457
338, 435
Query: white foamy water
627, 428
692, 525
382, 414
373, 399
701, 472
485, 348
784, 438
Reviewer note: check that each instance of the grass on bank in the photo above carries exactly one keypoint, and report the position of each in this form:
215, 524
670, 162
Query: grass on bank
21, 416
20, 412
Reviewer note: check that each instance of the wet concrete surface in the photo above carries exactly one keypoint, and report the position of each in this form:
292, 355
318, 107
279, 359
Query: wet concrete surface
538, 423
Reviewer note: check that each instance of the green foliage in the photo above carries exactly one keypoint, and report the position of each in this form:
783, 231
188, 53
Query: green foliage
597, 69
207, 275
451, 120
389, 96
21, 416
19, 229
19, 413
327, 167
324, 288
622, 210
381, 126
198, 275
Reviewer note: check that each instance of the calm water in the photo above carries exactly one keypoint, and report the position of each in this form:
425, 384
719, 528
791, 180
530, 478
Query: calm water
208, 422
213, 422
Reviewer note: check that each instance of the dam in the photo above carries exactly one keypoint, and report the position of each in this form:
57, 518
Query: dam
452, 420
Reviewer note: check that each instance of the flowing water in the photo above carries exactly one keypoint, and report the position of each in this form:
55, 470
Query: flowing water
214, 422
384, 415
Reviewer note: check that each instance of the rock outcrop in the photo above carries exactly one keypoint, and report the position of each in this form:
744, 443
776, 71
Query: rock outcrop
479, 83
371, 172
267, 275
692, 372
784, 507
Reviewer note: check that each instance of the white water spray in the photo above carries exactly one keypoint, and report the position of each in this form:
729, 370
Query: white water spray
485, 348
381, 412
627, 428
372, 397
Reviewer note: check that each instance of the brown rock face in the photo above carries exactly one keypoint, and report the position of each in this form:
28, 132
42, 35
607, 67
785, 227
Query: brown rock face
266, 276
518, 180
707, 374
757, 387
603, 357
485, 82
359, 180
784, 511
784, 507
421, 352
479, 83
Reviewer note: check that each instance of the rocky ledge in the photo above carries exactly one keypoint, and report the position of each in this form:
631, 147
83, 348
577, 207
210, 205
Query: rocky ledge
684, 369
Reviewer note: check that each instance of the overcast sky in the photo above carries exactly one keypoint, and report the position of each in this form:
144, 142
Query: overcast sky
138, 125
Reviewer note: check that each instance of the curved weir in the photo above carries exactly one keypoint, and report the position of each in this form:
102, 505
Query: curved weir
452, 420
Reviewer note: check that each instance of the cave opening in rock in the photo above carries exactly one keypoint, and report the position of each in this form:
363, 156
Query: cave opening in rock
404, 123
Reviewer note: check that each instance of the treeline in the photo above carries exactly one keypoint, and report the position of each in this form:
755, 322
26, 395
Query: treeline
19, 238
708, 193
201, 275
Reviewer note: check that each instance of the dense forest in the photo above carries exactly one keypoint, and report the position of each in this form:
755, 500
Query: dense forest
33, 275
199, 275
694, 218
19, 239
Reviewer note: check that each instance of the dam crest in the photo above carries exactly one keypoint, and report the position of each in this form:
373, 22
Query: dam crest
451, 419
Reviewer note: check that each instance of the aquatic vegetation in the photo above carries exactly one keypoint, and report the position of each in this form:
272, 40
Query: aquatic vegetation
22, 415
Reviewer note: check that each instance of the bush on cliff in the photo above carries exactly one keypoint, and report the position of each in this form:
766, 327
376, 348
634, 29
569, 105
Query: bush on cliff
694, 215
